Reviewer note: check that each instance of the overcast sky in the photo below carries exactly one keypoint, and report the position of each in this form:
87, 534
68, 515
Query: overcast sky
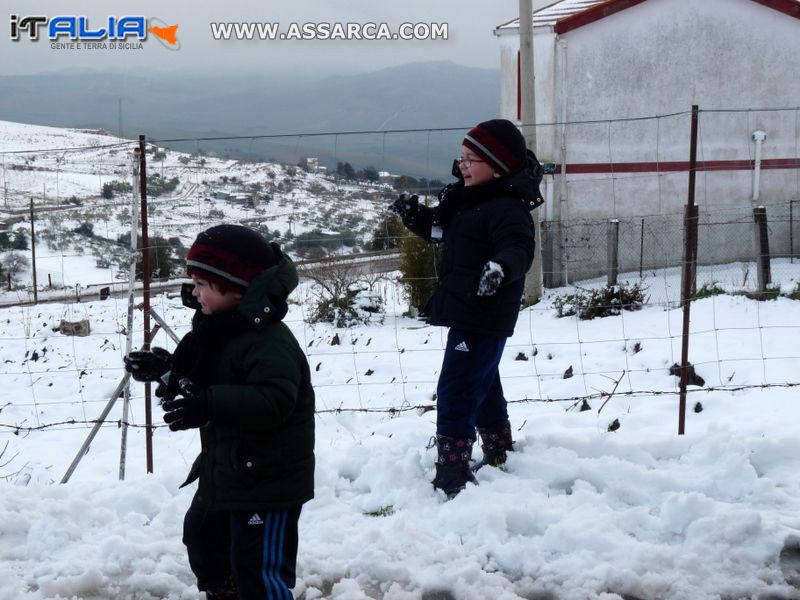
470, 28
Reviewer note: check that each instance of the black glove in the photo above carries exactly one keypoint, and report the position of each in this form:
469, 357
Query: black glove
165, 390
406, 207
148, 366
491, 278
189, 410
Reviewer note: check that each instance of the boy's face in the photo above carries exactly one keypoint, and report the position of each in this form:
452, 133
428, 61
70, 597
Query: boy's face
211, 299
478, 171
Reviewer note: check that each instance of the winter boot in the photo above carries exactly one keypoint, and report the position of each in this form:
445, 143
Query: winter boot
495, 443
223, 591
452, 464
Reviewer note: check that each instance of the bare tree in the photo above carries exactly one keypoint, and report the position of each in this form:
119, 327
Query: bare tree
4, 462
13, 263
337, 283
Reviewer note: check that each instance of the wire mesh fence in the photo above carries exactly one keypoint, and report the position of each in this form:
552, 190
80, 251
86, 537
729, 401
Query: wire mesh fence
726, 238
615, 209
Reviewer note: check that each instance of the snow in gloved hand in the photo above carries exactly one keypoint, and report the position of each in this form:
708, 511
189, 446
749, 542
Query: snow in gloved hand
491, 278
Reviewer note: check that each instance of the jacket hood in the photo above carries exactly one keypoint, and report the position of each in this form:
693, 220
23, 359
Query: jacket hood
525, 184
265, 298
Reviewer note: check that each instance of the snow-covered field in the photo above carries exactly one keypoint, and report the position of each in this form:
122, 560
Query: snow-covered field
602, 503
581, 512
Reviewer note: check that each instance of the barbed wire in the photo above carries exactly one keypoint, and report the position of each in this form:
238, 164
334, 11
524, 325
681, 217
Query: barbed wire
128, 144
408, 130
18, 429
300, 135
749, 110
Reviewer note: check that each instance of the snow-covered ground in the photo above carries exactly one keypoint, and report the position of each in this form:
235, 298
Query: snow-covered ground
581, 512
607, 502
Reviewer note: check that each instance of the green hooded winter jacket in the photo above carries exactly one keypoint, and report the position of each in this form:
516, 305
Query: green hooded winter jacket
258, 447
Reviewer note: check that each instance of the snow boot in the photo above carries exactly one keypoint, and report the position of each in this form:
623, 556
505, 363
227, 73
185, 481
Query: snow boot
223, 591
452, 464
495, 443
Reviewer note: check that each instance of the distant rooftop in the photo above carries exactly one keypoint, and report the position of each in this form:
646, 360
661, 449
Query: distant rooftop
567, 15
551, 15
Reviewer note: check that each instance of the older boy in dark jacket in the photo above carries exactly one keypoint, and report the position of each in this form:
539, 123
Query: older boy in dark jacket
485, 225
240, 376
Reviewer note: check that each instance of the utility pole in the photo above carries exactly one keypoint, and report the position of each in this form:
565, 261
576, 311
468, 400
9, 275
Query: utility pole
528, 104
135, 202
33, 255
148, 410
533, 280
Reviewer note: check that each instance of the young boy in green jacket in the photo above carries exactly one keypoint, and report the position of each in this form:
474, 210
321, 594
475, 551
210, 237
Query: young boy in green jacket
240, 377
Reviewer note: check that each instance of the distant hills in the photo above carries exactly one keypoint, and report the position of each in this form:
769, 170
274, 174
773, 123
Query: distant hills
411, 96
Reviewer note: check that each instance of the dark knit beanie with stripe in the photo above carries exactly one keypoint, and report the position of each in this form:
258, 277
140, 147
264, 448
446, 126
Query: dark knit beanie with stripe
229, 256
500, 143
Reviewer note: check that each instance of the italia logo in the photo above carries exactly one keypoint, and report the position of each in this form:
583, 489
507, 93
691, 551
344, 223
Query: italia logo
78, 28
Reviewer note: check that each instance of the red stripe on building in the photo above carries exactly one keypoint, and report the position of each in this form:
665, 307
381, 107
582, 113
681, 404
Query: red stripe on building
679, 166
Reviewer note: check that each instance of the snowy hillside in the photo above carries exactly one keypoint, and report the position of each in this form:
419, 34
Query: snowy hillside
82, 187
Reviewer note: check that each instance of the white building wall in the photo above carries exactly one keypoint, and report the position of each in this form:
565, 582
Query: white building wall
545, 73
658, 58
662, 56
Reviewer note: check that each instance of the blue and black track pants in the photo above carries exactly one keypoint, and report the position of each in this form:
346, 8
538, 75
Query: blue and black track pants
257, 548
469, 393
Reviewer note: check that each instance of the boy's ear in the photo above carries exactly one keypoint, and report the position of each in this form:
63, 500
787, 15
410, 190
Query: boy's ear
237, 295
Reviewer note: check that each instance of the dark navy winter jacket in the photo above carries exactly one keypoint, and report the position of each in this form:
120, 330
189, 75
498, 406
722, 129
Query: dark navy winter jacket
480, 223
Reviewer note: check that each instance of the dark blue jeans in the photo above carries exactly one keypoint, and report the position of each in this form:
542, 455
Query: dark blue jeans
469, 393
257, 548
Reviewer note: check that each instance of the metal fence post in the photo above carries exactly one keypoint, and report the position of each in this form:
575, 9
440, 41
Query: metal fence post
791, 231
97, 425
688, 269
691, 218
612, 251
641, 252
762, 249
